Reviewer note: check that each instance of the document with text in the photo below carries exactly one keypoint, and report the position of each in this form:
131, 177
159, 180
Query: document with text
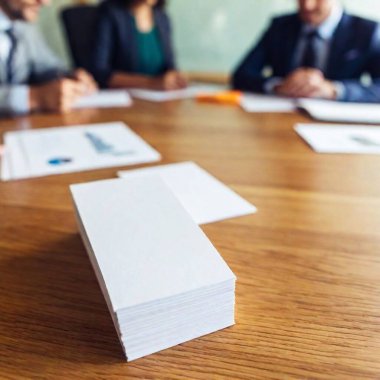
324, 138
41, 152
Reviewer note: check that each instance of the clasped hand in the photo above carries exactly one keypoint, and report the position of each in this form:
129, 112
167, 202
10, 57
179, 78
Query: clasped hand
307, 83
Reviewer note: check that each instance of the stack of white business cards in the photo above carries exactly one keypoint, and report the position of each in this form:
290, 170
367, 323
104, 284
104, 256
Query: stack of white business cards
163, 280
203, 196
42, 152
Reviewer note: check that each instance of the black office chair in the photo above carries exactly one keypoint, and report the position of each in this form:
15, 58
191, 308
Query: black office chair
79, 24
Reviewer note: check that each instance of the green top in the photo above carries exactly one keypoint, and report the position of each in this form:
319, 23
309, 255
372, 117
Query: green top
151, 59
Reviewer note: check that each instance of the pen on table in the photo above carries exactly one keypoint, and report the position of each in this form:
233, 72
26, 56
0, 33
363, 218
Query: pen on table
224, 97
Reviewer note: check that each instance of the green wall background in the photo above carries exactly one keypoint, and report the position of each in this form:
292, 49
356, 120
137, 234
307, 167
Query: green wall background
209, 35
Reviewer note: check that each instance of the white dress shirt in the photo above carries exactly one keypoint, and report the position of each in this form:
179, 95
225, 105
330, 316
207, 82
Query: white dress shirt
5, 42
326, 32
33, 62
12, 98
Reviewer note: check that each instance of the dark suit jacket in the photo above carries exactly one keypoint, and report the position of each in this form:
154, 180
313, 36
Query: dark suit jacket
354, 51
115, 41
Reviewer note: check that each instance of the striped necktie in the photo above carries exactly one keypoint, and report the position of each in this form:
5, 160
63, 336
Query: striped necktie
310, 57
10, 69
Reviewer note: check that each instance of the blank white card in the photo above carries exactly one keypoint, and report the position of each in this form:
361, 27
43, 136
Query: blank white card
204, 197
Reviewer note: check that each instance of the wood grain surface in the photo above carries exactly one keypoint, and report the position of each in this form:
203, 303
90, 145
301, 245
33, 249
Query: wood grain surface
308, 263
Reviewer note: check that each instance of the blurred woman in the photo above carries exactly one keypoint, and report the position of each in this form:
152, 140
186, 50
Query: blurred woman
133, 47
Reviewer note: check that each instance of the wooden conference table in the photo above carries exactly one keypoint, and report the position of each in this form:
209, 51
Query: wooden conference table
308, 263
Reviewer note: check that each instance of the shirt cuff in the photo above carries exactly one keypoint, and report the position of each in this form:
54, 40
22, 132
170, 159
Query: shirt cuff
340, 89
271, 83
18, 100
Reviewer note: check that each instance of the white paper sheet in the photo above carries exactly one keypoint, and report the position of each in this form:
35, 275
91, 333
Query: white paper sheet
325, 138
42, 152
205, 198
265, 103
146, 245
164, 96
326, 110
4, 167
105, 99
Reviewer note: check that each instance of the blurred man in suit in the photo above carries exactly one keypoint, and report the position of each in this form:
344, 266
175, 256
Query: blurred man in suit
320, 52
31, 77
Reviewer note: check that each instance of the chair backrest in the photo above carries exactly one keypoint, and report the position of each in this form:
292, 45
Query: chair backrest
79, 24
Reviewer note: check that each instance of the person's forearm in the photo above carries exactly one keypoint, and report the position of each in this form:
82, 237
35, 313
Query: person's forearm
355, 91
123, 80
34, 100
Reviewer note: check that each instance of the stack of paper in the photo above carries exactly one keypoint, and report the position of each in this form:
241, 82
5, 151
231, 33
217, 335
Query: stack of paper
325, 138
327, 110
163, 280
164, 96
42, 152
267, 103
205, 198
105, 99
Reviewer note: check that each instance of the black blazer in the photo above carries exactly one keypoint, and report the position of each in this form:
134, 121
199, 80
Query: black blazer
355, 50
115, 45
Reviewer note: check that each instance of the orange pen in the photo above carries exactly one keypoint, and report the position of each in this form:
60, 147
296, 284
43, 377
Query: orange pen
224, 97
